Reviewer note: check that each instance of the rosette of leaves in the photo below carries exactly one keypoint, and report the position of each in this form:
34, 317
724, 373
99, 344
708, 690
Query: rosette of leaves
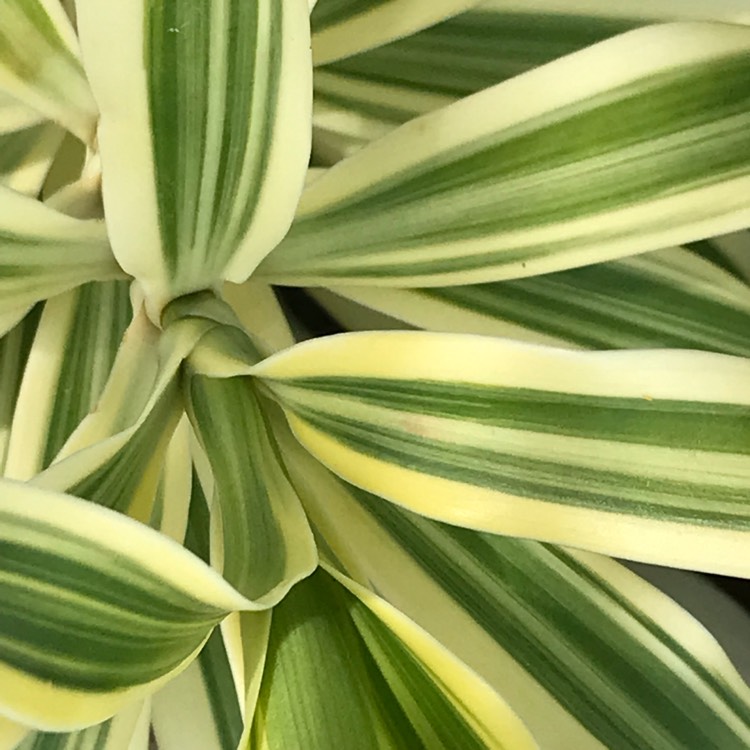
527, 218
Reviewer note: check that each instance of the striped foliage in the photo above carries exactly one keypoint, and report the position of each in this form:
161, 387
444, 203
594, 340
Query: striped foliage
669, 298
44, 252
629, 145
14, 352
345, 27
589, 655
127, 730
639, 454
40, 66
214, 721
365, 95
267, 545
374, 521
115, 456
202, 133
70, 360
116, 608
347, 670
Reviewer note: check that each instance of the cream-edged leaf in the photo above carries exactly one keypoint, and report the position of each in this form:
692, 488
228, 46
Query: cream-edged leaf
115, 455
345, 27
202, 133
14, 351
336, 675
98, 609
447, 703
261, 315
70, 360
267, 543
43, 252
586, 653
633, 144
364, 96
40, 65
214, 721
614, 452
668, 298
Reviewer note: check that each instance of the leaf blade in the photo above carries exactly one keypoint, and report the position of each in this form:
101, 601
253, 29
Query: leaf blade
116, 566
647, 445
217, 194
464, 196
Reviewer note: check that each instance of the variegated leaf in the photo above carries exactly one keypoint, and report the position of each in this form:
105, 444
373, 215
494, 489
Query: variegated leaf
213, 195
98, 609
633, 144
40, 65
637, 454
345, 27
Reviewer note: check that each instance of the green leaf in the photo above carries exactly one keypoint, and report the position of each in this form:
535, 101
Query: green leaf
637, 454
43, 252
634, 144
71, 358
345, 27
588, 654
98, 610
213, 721
731, 11
668, 298
127, 730
170, 511
337, 675
212, 196
266, 541
40, 67
115, 456
14, 352
26, 156
366, 95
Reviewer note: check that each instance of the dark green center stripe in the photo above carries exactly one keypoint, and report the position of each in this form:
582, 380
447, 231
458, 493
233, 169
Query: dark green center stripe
572, 645
688, 425
102, 313
214, 666
199, 234
437, 718
475, 50
609, 305
113, 624
226, 413
641, 142
500, 470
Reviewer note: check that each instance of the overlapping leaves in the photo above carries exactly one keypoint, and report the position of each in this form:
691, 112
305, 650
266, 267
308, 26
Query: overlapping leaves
204, 139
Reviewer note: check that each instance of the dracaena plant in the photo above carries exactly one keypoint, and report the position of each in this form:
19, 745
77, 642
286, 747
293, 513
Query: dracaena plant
526, 217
